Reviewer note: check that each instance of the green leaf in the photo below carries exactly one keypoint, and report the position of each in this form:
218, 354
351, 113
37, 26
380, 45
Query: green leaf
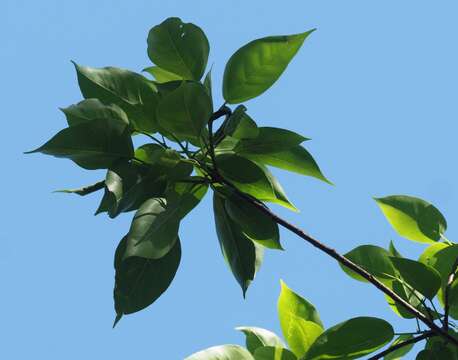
440, 349
180, 48
254, 224
242, 255
280, 196
132, 92
393, 251
257, 337
93, 109
161, 75
423, 278
296, 159
92, 145
273, 353
399, 353
184, 112
208, 84
413, 297
373, 259
351, 339
85, 190
222, 352
255, 67
441, 257
240, 126
299, 320
149, 153
140, 281
413, 218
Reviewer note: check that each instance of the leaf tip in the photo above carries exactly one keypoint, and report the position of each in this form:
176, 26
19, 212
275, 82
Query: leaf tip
118, 317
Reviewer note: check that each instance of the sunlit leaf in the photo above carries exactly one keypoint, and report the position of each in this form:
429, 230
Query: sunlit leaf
222, 352
257, 337
273, 353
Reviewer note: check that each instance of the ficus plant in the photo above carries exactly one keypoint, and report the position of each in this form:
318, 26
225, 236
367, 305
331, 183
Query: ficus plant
191, 146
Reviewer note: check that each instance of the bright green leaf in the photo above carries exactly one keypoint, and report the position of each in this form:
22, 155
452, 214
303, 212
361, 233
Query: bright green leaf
255, 67
273, 353
161, 75
413, 218
222, 352
240, 126
351, 339
180, 48
257, 337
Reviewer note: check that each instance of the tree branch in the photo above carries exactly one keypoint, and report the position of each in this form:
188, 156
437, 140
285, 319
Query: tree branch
400, 345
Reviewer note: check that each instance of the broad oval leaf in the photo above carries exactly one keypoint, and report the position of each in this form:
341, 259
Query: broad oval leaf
255, 67
222, 352
185, 111
257, 337
180, 48
299, 321
401, 352
97, 144
140, 281
135, 94
351, 339
413, 218
242, 255
93, 109
373, 259
423, 278
273, 353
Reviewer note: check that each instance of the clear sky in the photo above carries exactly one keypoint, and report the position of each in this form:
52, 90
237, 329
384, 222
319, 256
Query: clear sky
375, 88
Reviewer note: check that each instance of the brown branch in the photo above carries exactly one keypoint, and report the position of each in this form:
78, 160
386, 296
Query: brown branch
400, 345
450, 280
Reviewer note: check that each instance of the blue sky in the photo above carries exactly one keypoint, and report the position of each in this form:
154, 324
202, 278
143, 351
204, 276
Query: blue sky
374, 87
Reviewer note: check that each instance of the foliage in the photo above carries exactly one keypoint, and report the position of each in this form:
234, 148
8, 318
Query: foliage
166, 177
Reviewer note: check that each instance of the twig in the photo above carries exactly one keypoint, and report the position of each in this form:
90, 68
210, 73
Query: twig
400, 345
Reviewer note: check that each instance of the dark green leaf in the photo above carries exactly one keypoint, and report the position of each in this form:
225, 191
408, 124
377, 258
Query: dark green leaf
413, 297
273, 353
149, 153
93, 109
208, 84
413, 218
258, 337
393, 251
255, 67
351, 339
89, 189
92, 145
222, 352
399, 353
180, 48
242, 255
140, 281
440, 349
373, 259
161, 75
184, 112
240, 126
135, 94
299, 320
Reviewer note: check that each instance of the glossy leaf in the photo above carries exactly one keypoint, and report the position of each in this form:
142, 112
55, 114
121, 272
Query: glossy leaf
184, 112
92, 145
180, 48
299, 320
273, 353
93, 109
413, 218
419, 276
253, 223
373, 259
255, 67
135, 94
222, 352
351, 339
257, 338
161, 75
140, 281
401, 352
242, 255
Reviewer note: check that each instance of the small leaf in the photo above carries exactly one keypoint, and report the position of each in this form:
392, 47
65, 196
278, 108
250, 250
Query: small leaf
242, 255
132, 92
423, 278
89, 189
258, 337
140, 281
393, 251
184, 112
255, 67
92, 145
149, 153
273, 353
93, 109
413, 218
222, 352
180, 48
280, 196
240, 126
351, 339
299, 320
208, 84
373, 259
399, 353
161, 75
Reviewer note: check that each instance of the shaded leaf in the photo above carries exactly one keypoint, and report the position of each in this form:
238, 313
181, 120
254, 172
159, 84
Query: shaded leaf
393, 251
161, 75
240, 126
399, 353
273, 353
257, 337
222, 352
413, 297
